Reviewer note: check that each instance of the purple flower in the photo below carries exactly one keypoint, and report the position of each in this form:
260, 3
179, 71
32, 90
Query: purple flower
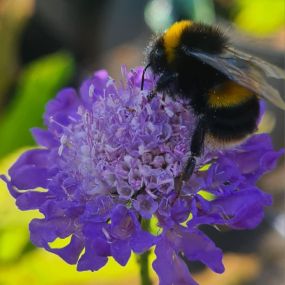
109, 159
145, 205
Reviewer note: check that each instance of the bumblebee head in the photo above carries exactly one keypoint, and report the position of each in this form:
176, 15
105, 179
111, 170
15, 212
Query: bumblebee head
157, 57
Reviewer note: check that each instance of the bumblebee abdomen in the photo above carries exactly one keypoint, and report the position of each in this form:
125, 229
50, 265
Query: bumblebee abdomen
232, 112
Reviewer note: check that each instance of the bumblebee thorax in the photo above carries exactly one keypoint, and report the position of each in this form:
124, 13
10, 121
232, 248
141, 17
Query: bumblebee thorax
172, 38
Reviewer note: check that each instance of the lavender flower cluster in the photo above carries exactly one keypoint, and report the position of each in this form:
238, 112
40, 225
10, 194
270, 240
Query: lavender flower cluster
108, 160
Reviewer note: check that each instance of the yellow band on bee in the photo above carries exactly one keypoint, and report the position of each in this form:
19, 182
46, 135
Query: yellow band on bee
172, 38
228, 95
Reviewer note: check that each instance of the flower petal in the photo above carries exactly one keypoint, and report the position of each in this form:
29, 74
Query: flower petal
122, 223
169, 267
32, 200
197, 246
71, 252
44, 138
44, 231
61, 109
242, 209
121, 251
90, 260
30, 170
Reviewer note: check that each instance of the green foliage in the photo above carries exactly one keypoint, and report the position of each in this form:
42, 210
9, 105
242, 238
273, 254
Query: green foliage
261, 17
14, 236
39, 82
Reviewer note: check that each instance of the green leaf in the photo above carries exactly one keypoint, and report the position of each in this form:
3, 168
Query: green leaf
38, 83
261, 17
206, 195
14, 235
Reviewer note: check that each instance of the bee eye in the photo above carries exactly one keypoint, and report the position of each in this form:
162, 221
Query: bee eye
158, 53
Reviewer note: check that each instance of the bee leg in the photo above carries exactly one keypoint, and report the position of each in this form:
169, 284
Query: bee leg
163, 81
151, 95
196, 148
189, 168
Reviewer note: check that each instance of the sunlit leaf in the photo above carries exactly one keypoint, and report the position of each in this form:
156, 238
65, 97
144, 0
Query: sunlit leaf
261, 17
14, 234
205, 167
42, 268
206, 195
39, 82
190, 217
60, 242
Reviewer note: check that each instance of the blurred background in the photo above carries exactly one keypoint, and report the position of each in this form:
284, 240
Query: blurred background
48, 44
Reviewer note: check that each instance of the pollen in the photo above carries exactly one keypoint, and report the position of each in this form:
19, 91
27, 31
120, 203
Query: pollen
172, 38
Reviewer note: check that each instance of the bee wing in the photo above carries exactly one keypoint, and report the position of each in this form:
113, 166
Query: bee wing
246, 70
266, 68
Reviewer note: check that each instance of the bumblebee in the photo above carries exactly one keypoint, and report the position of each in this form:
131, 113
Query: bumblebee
224, 85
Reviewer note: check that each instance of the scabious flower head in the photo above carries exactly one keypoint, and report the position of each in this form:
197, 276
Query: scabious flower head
108, 160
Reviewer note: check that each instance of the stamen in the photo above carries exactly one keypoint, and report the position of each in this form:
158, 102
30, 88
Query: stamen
52, 120
91, 91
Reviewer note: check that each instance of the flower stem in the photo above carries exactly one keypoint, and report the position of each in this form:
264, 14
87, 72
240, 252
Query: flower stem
143, 259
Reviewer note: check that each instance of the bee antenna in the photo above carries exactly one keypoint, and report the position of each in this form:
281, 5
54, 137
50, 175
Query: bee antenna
143, 74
